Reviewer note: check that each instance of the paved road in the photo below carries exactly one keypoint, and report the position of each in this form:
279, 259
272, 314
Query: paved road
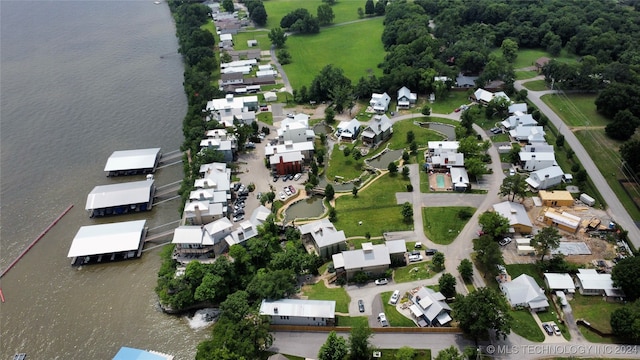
615, 208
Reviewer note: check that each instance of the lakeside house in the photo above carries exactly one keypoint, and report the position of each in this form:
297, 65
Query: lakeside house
379, 130
371, 259
380, 102
324, 237
299, 312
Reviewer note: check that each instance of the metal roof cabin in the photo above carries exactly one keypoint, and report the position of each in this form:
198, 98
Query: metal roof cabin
133, 162
122, 198
108, 242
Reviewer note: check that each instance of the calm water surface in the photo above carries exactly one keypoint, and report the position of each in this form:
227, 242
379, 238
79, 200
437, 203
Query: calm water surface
79, 80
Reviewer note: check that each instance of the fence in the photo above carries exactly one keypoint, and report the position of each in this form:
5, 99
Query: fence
300, 328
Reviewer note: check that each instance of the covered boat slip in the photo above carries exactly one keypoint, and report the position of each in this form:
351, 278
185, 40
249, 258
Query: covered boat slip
133, 162
108, 242
116, 199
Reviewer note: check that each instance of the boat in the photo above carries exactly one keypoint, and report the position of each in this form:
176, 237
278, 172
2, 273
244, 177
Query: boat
20, 356
157, 2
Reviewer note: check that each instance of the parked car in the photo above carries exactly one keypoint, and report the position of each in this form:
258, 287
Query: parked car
284, 177
282, 196
275, 178
414, 258
297, 177
290, 177
382, 281
395, 297
250, 145
292, 189
415, 252
238, 218
382, 318
287, 191
259, 195
512, 172
547, 328
418, 245
238, 213
506, 241
361, 305
556, 329
457, 110
430, 252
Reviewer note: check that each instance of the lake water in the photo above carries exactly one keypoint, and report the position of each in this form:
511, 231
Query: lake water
79, 80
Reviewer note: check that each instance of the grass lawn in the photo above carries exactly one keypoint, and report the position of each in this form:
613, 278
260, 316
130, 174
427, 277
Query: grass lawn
528, 57
594, 309
357, 243
522, 75
345, 166
337, 46
440, 120
419, 354
393, 315
351, 320
375, 206
277, 9
319, 291
576, 109
516, 270
551, 316
500, 138
265, 117
407, 273
442, 224
536, 85
604, 152
448, 104
525, 326
422, 135
240, 40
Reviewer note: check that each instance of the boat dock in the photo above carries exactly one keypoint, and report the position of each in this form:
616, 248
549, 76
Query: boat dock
156, 234
170, 158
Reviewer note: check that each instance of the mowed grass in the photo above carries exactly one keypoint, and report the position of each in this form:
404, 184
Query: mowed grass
413, 272
355, 48
351, 321
536, 85
419, 354
319, 291
528, 57
516, 270
528, 74
447, 104
422, 135
596, 311
344, 166
576, 109
525, 325
604, 152
240, 40
442, 224
343, 10
375, 206
393, 315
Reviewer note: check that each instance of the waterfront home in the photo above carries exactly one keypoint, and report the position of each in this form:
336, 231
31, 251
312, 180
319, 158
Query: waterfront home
324, 237
299, 312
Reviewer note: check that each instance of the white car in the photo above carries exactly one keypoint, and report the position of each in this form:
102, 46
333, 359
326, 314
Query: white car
505, 241
287, 191
282, 196
414, 258
297, 177
382, 318
512, 172
382, 281
395, 297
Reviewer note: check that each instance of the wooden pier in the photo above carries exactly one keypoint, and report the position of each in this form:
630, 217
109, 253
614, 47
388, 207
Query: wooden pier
170, 158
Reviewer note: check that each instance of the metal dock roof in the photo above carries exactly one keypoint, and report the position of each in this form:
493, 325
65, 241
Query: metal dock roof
104, 196
132, 159
107, 238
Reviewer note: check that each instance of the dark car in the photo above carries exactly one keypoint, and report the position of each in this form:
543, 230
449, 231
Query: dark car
548, 329
275, 178
361, 305
415, 252
430, 252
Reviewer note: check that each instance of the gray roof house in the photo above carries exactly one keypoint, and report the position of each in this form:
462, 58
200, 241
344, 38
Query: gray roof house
406, 98
514, 121
518, 109
590, 282
371, 259
299, 312
380, 102
429, 308
516, 213
324, 237
397, 250
459, 178
562, 282
545, 178
248, 228
524, 291
379, 130
530, 134
200, 243
532, 161
348, 130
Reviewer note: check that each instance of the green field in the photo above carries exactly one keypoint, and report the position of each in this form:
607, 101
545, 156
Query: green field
240, 40
393, 315
594, 310
516, 270
536, 85
525, 325
413, 272
344, 166
528, 57
351, 321
319, 291
528, 74
375, 206
277, 9
422, 135
448, 104
442, 224
576, 109
356, 48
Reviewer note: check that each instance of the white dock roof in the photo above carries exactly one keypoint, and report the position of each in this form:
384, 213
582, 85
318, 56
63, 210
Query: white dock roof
107, 238
132, 159
135, 192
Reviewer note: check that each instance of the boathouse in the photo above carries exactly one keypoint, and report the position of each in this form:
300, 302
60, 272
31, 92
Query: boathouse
133, 162
122, 198
108, 242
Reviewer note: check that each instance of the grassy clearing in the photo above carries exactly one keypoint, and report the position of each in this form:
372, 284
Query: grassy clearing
576, 109
522, 75
240, 40
422, 135
337, 46
419, 354
516, 270
345, 166
393, 315
319, 291
351, 320
409, 272
357, 243
442, 224
604, 152
536, 85
500, 138
277, 9
447, 105
525, 325
424, 176
265, 117
528, 57
594, 309
375, 206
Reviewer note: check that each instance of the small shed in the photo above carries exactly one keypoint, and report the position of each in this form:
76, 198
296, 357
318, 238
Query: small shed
556, 198
524, 250
587, 199
270, 96
252, 43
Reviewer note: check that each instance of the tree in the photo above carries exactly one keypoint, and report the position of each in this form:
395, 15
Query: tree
625, 275
354, 191
514, 186
323, 85
227, 5
466, 269
335, 348
333, 214
447, 284
273, 285
393, 168
475, 167
482, 310
514, 153
407, 212
560, 141
360, 13
546, 239
329, 192
359, 346
284, 57
380, 7
405, 172
509, 50
325, 14
493, 224
411, 136
346, 151
426, 110
625, 322
277, 37
330, 2
623, 126
206, 351
438, 261
630, 152
405, 353
259, 15
329, 115
369, 7
450, 353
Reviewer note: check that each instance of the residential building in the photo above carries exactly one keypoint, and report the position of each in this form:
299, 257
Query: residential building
484, 97
380, 102
537, 147
541, 62
348, 130
459, 178
223, 146
305, 148
324, 236
270, 96
287, 163
545, 178
230, 106
556, 198
518, 109
429, 308
231, 79
442, 147
523, 291
406, 98
464, 81
516, 213
514, 121
447, 160
299, 312
200, 242
300, 118
529, 133
249, 228
532, 161
590, 282
379, 130
562, 220
295, 132
560, 282
202, 212
397, 250
371, 259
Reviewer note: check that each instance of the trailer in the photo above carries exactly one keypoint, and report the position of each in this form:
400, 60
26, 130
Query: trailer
588, 200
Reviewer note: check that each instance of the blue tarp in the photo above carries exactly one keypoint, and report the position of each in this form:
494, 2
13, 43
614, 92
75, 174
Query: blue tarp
127, 353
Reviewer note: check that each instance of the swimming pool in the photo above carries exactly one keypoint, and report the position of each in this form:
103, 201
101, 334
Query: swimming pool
440, 180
